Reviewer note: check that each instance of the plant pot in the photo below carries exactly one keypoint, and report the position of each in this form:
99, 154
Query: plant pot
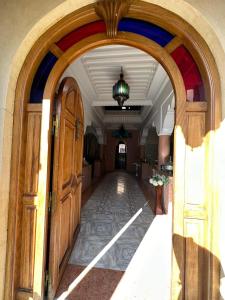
158, 204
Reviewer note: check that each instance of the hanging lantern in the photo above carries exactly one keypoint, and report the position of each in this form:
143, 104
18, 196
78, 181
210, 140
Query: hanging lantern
121, 90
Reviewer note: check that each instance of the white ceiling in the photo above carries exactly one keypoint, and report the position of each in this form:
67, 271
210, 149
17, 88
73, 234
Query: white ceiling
98, 70
103, 66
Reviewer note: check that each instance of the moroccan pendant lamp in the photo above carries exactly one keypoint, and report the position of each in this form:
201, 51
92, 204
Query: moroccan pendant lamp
121, 90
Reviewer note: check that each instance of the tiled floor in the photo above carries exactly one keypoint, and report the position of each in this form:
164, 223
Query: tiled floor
88, 289
114, 202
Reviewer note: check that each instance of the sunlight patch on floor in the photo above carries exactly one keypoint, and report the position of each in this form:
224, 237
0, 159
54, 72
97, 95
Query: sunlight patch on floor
148, 275
120, 188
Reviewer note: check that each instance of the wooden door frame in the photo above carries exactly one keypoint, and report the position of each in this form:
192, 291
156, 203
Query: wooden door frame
185, 34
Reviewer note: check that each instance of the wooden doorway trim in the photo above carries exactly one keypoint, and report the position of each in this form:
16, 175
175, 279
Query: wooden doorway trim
143, 11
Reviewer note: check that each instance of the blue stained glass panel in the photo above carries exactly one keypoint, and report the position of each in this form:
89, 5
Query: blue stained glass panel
41, 76
151, 31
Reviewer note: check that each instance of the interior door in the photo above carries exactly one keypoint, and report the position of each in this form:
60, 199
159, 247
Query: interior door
66, 179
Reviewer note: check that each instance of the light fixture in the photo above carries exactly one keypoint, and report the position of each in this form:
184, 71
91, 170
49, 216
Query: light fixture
121, 90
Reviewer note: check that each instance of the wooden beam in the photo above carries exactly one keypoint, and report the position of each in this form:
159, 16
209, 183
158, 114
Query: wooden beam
196, 106
172, 45
34, 107
56, 50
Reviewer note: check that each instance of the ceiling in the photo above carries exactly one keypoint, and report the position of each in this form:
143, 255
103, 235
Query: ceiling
98, 70
103, 67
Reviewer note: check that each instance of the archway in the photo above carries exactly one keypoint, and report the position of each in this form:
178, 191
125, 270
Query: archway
121, 156
191, 117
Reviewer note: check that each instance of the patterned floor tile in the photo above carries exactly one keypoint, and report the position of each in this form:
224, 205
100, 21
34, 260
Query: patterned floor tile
115, 201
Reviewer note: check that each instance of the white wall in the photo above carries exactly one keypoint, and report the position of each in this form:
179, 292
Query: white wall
162, 101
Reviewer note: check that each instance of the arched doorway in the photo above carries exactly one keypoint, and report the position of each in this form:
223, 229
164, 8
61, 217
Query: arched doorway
121, 156
193, 213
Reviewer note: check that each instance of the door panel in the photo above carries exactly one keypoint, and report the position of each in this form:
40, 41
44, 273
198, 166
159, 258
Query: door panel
70, 108
67, 168
195, 160
195, 275
68, 155
65, 219
29, 203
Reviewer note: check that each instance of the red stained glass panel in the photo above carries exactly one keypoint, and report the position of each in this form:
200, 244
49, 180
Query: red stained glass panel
190, 73
83, 32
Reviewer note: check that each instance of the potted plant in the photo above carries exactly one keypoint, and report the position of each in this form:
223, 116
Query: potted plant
158, 181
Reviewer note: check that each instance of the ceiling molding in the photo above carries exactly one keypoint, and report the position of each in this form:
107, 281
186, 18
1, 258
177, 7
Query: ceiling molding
158, 83
164, 95
168, 124
113, 126
166, 109
127, 103
79, 72
134, 97
145, 111
123, 119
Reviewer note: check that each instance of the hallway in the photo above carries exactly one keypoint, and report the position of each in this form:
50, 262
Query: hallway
115, 201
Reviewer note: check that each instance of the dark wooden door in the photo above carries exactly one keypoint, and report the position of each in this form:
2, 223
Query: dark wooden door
66, 179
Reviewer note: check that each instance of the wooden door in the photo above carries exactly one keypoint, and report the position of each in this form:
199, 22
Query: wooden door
66, 179
195, 266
